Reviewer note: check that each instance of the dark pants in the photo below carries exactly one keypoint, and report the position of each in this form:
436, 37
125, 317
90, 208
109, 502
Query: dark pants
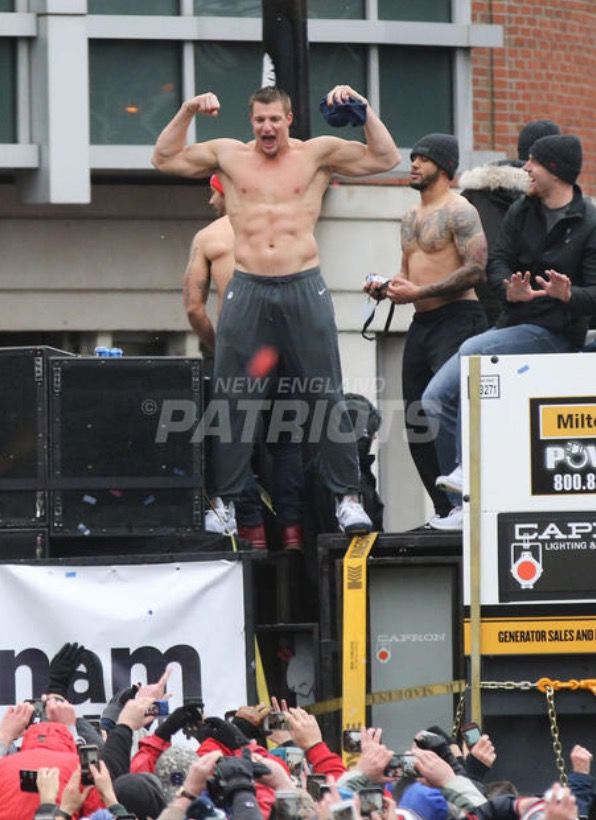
293, 315
285, 480
433, 337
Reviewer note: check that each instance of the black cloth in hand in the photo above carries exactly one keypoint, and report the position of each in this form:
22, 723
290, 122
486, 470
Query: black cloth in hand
222, 731
180, 717
62, 667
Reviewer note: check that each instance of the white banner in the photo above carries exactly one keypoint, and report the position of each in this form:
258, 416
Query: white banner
134, 618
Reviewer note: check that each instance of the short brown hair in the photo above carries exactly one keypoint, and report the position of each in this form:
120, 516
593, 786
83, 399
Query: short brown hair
271, 94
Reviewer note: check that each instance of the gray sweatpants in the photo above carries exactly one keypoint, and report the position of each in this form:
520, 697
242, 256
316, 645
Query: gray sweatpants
301, 395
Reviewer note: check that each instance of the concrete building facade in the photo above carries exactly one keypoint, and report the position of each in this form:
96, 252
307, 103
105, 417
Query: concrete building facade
94, 241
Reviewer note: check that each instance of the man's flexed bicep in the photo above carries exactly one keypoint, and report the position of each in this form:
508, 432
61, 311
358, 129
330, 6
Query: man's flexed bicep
173, 156
352, 158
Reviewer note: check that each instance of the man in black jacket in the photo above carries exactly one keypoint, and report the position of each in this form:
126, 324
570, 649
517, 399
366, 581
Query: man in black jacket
544, 267
492, 189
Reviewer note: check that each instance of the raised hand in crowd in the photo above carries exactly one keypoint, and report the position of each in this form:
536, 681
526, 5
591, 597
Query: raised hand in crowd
304, 728
103, 783
13, 723
375, 755
280, 736
480, 758
484, 751
112, 710
200, 772
63, 666
48, 784
157, 691
433, 770
183, 717
254, 715
72, 797
559, 804
581, 781
581, 759
60, 711
331, 798
278, 777
136, 712
250, 719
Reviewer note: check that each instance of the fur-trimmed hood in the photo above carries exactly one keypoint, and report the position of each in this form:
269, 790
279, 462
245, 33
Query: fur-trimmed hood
491, 177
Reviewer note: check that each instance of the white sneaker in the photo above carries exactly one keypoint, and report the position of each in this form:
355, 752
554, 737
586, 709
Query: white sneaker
454, 482
221, 518
453, 522
351, 516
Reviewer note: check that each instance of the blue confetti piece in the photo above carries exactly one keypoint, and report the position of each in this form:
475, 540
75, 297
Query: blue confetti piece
178, 471
149, 500
523, 369
70, 574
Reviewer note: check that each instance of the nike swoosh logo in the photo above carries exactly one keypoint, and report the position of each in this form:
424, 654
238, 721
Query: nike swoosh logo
321, 292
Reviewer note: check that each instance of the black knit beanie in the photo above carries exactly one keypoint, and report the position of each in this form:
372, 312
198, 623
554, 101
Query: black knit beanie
561, 155
141, 794
442, 149
531, 132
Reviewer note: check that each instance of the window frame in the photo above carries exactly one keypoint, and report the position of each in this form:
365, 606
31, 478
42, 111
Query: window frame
460, 36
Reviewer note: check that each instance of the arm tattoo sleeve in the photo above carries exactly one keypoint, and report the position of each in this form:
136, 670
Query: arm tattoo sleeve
470, 242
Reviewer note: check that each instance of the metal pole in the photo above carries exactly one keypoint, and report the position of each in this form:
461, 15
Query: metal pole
475, 547
285, 40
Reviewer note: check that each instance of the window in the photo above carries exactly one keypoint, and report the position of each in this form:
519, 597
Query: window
133, 7
230, 8
328, 9
135, 90
416, 91
6, 5
7, 91
330, 64
233, 72
432, 11
336, 9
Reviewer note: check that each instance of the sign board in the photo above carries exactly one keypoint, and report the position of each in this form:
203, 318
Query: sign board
538, 500
136, 619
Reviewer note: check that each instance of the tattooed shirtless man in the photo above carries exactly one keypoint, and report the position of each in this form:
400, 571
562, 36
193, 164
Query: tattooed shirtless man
443, 258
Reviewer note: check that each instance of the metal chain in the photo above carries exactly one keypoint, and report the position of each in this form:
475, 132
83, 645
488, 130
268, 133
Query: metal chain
459, 713
524, 685
554, 730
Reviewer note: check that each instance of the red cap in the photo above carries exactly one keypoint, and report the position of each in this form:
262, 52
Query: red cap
215, 183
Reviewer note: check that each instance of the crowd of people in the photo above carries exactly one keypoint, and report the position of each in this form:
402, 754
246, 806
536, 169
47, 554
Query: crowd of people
253, 763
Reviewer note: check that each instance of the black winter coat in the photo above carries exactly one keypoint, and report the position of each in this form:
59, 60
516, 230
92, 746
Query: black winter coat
569, 248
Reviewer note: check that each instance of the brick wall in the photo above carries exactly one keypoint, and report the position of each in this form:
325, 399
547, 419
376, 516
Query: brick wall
546, 69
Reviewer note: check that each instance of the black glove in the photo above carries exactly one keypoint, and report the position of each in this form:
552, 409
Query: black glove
111, 713
62, 668
438, 745
250, 731
237, 774
222, 731
180, 718
476, 769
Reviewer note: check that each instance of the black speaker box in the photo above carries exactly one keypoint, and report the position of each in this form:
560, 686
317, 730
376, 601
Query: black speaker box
123, 460
23, 435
